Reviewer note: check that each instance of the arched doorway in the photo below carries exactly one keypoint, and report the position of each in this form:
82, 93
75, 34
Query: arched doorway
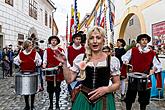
132, 24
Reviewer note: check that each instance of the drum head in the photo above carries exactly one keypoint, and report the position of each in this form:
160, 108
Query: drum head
22, 74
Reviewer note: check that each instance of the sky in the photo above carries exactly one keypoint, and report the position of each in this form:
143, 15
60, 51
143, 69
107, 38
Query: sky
63, 8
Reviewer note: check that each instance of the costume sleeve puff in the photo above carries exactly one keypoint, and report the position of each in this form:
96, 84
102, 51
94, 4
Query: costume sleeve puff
115, 66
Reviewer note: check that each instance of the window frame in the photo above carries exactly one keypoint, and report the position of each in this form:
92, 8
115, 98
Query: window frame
46, 18
33, 9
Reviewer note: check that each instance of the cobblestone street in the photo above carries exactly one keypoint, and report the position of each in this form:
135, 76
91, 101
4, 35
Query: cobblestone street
10, 101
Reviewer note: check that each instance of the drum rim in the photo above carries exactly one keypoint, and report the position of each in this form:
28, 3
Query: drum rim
22, 74
135, 75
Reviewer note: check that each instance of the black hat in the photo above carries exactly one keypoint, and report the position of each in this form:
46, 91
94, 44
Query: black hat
139, 37
53, 37
122, 41
76, 35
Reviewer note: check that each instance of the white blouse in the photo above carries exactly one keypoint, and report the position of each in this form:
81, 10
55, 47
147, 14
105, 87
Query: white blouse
114, 64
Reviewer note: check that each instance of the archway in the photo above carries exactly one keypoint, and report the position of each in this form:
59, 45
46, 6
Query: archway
131, 11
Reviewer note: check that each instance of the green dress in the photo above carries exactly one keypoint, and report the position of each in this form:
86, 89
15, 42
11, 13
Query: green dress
101, 73
82, 103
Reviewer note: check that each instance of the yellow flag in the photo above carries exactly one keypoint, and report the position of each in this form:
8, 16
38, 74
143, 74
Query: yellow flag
72, 11
78, 15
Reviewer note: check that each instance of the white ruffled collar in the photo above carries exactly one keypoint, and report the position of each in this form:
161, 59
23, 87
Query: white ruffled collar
27, 53
144, 50
54, 48
76, 47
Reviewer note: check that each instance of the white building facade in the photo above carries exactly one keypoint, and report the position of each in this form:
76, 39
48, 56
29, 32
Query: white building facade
133, 17
23, 19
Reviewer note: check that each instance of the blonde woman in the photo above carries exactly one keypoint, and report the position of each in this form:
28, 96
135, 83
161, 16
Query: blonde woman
94, 70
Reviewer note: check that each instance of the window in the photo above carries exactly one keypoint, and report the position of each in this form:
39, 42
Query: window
33, 9
131, 22
10, 2
46, 18
20, 37
50, 21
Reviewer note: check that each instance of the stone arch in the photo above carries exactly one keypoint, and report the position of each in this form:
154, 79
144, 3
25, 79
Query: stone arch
134, 10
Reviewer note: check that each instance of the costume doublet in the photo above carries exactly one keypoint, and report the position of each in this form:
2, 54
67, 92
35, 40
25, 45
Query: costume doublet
29, 60
96, 76
52, 62
28, 63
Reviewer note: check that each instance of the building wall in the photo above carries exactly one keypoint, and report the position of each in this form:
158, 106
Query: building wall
16, 20
154, 14
148, 12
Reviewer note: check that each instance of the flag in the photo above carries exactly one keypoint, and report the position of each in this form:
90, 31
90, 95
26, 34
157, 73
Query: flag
78, 15
72, 11
71, 28
71, 23
95, 19
111, 8
102, 22
99, 17
75, 16
112, 13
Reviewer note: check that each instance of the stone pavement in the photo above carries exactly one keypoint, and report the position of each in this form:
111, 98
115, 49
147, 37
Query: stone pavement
10, 101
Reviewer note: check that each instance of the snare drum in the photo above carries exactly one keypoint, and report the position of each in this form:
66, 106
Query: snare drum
50, 71
137, 81
26, 83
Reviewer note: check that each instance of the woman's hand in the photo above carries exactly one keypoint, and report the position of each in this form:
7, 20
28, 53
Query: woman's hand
60, 56
98, 92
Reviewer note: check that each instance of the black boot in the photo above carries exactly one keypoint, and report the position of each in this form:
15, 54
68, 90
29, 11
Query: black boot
32, 101
142, 107
57, 101
27, 107
128, 106
51, 101
57, 91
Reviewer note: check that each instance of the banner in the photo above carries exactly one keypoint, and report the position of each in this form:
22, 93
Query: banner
71, 23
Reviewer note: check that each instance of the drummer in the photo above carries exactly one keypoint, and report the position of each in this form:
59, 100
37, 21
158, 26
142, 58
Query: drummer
28, 59
143, 60
49, 61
